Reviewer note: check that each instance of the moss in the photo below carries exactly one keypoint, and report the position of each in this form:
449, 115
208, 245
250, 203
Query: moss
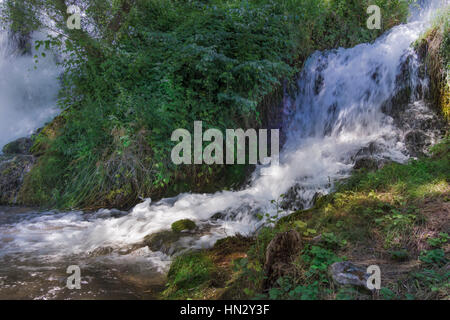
188, 273
207, 274
434, 48
183, 225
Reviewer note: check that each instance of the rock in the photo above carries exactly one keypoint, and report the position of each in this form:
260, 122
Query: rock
317, 198
101, 251
12, 172
19, 146
416, 142
366, 158
280, 253
370, 163
183, 225
369, 150
23, 42
292, 200
164, 241
367, 163
317, 239
348, 274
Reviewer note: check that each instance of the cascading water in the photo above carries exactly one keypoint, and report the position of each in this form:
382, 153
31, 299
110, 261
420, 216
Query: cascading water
28, 90
337, 112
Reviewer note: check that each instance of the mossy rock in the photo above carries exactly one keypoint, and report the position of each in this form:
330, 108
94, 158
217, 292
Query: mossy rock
12, 172
19, 146
162, 241
183, 225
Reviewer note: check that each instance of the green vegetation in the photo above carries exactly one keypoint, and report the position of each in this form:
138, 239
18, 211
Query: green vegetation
434, 45
187, 273
155, 66
182, 225
204, 274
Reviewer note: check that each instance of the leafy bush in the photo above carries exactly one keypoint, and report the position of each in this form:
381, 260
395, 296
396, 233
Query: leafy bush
439, 241
434, 257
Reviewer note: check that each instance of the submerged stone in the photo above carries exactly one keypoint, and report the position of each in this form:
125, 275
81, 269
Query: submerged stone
163, 241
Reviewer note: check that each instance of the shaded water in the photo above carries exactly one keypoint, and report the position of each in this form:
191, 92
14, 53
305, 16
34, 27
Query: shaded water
336, 112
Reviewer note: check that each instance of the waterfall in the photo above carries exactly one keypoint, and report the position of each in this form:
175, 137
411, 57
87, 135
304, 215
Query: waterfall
28, 90
336, 113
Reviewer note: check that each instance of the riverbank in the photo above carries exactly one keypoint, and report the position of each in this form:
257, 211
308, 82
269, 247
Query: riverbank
397, 218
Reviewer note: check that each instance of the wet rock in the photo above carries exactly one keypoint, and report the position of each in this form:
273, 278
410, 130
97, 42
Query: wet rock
348, 274
416, 142
280, 253
183, 225
164, 241
420, 116
218, 216
12, 173
369, 150
366, 158
23, 42
367, 163
292, 200
370, 163
102, 251
19, 146
317, 198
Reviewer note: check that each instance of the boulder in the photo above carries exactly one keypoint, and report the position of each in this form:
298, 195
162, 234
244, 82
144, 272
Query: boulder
349, 274
280, 253
12, 173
